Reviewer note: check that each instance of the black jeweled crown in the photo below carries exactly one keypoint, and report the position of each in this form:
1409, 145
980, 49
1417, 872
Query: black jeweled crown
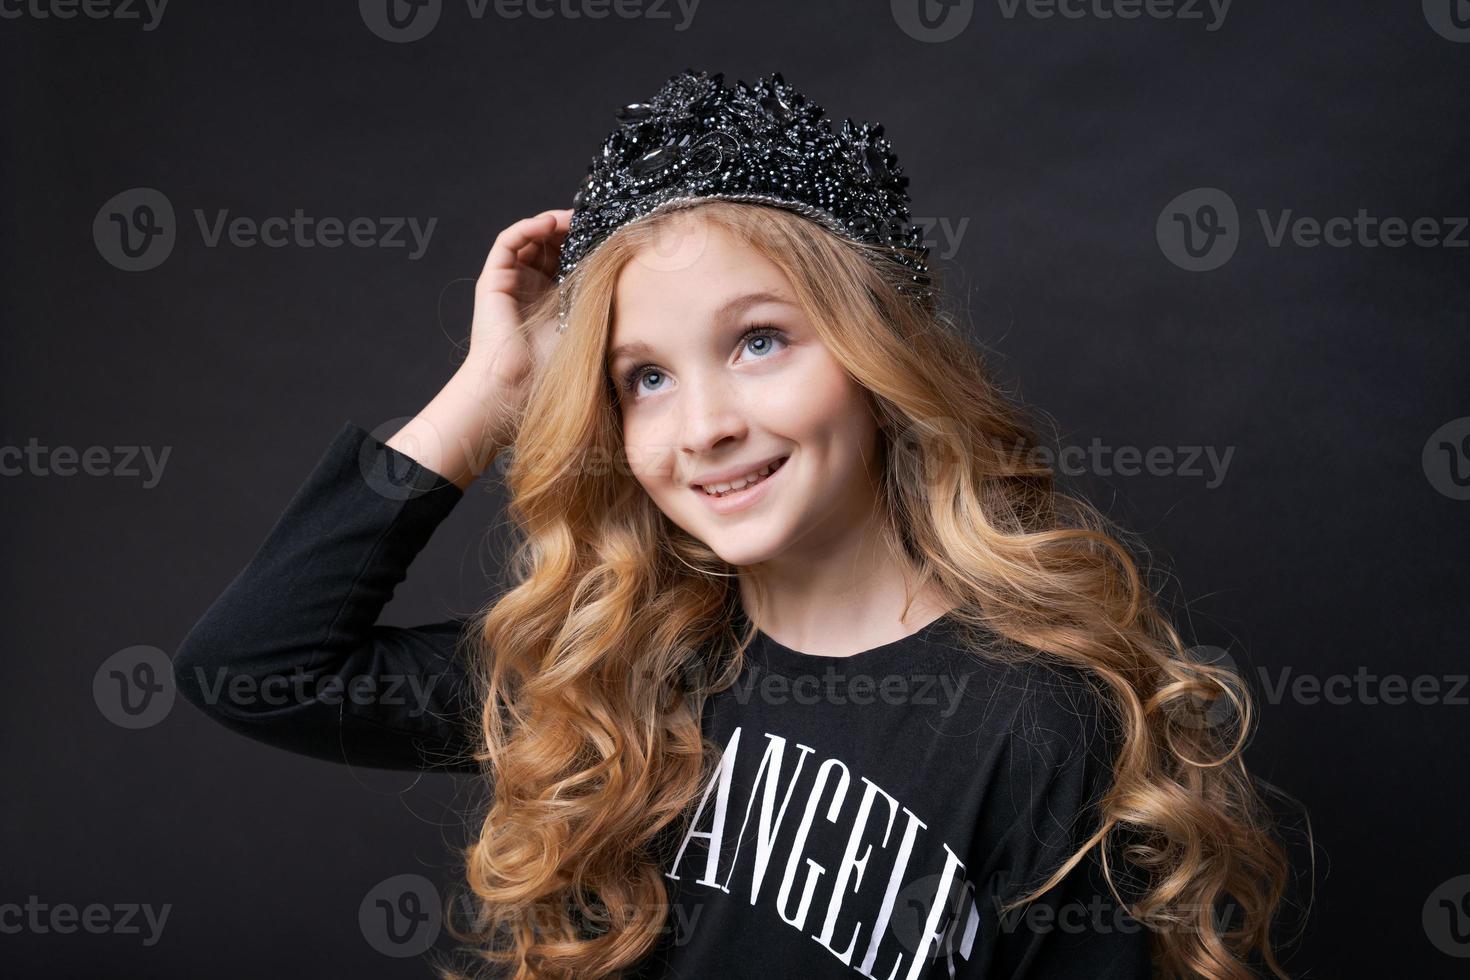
764, 143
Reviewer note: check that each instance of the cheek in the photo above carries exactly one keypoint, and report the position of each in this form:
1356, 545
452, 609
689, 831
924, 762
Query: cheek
647, 457
821, 406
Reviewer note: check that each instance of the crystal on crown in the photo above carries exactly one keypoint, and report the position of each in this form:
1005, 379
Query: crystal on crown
764, 143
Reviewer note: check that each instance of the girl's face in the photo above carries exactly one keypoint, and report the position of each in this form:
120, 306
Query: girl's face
720, 376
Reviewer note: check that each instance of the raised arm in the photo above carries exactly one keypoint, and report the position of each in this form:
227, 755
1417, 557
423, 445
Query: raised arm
291, 653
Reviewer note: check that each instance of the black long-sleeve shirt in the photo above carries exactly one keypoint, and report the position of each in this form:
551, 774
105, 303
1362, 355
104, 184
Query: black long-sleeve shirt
870, 811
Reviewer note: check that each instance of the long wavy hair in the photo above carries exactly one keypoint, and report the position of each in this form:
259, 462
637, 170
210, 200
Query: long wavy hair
595, 664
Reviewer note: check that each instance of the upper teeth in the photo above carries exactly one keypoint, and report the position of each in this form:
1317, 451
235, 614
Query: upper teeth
714, 489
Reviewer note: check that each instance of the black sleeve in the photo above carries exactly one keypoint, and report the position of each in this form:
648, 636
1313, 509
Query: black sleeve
291, 654
1057, 768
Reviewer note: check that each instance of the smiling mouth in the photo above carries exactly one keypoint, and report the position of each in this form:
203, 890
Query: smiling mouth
769, 472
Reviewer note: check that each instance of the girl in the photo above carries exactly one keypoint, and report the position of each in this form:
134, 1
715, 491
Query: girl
807, 668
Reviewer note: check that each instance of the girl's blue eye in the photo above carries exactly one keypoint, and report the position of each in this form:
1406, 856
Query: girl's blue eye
636, 380
766, 333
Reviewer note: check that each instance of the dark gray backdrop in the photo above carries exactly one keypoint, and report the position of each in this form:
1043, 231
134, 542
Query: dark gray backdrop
1058, 160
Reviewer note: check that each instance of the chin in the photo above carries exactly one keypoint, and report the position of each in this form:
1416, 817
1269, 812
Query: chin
745, 556
741, 546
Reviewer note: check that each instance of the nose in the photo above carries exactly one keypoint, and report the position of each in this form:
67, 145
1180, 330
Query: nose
710, 415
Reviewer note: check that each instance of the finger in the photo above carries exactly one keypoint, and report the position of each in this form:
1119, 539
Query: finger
505, 281
504, 253
530, 255
546, 257
539, 258
556, 239
542, 242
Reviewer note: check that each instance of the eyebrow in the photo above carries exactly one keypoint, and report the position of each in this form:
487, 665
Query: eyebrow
729, 309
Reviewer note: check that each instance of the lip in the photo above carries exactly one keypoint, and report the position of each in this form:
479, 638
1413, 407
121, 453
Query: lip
725, 476
740, 499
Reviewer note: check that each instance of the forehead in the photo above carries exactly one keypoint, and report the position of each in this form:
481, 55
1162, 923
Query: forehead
691, 273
